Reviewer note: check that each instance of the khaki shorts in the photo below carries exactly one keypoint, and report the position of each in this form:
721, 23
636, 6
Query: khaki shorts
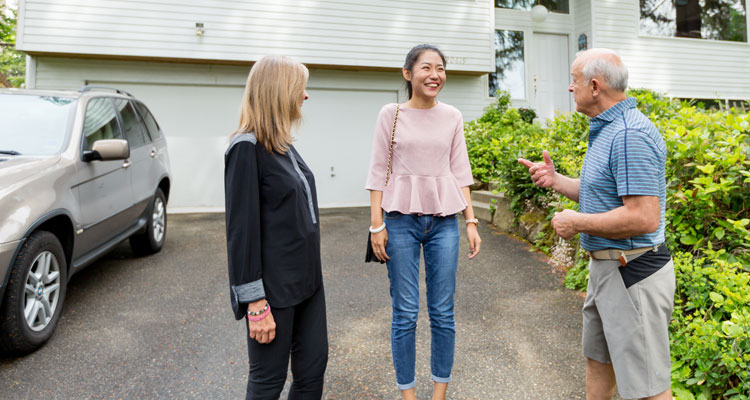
629, 327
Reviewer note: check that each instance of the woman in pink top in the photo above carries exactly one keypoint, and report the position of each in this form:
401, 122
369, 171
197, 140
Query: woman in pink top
421, 184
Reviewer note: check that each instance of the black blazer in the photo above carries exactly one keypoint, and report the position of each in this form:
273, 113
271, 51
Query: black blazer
273, 234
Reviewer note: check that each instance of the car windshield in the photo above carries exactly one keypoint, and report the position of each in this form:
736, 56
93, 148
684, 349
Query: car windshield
33, 125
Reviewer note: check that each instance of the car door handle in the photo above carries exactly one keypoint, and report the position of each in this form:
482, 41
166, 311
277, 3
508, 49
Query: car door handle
126, 164
153, 153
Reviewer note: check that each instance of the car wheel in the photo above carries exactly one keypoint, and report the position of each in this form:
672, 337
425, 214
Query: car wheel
35, 294
152, 240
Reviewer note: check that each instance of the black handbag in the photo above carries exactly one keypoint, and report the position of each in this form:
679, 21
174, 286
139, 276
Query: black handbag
370, 254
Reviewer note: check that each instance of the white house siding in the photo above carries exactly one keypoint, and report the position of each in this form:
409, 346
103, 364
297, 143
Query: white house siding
680, 67
327, 32
197, 106
582, 21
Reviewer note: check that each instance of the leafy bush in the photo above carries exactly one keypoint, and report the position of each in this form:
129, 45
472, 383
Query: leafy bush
710, 329
12, 61
709, 182
707, 215
501, 136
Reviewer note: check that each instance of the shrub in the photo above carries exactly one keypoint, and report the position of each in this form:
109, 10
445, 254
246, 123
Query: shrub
501, 136
710, 329
708, 173
707, 216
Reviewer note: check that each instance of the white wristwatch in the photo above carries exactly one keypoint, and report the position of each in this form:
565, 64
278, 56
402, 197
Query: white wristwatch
472, 220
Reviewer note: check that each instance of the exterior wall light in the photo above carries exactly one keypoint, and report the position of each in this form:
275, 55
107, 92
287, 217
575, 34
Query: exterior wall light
539, 13
199, 30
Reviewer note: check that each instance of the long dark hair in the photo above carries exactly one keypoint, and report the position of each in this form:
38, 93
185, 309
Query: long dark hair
413, 56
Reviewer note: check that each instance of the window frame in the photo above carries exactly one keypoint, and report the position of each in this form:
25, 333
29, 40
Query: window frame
526, 35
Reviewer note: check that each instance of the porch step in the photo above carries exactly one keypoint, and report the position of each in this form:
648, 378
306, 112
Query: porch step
493, 208
485, 196
482, 210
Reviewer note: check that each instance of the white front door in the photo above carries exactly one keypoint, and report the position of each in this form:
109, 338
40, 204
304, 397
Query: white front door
551, 74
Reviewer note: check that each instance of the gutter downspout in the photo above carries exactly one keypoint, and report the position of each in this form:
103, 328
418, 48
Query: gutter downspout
30, 72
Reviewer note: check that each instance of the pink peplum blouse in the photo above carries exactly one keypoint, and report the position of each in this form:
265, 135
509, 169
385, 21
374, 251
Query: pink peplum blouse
430, 162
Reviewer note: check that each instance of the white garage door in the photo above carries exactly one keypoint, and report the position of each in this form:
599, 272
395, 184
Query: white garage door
334, 139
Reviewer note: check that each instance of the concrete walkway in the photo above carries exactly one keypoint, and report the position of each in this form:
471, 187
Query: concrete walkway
517, 327
161, 326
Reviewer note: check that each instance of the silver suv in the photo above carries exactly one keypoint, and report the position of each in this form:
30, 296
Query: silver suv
79, 173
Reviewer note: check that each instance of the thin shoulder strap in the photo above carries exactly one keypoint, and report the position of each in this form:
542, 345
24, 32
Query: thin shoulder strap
390, 149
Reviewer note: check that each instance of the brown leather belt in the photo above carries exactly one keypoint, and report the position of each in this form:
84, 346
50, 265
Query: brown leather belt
620, 254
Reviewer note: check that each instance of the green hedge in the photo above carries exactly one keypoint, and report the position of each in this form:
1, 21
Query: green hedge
710, 329
708, 216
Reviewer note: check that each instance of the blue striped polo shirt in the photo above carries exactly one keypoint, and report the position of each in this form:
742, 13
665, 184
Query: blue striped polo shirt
626, 157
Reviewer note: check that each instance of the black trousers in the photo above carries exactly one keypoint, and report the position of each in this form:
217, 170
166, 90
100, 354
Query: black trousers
301, 332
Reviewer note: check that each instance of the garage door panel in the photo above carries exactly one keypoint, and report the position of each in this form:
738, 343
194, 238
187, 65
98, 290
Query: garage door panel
198, 172
336, 140
197, 120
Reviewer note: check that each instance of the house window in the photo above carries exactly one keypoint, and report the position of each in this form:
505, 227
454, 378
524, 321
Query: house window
700, 19
718, 104
509, 64
558, 6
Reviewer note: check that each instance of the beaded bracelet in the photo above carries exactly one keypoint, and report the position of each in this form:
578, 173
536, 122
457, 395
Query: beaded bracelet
253, 314
261, 316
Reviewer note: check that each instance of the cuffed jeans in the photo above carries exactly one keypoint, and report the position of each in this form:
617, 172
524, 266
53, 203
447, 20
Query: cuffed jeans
439, 237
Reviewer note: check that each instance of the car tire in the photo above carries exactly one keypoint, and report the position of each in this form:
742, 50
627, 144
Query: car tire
34, 296
152, 240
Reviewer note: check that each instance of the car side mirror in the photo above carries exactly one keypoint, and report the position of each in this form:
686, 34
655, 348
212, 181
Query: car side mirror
108, 149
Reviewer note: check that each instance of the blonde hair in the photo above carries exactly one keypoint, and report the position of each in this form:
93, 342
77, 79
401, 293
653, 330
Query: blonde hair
271, 105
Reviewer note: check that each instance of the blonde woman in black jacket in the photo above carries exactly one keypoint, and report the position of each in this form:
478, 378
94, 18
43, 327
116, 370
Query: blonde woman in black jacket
273, 236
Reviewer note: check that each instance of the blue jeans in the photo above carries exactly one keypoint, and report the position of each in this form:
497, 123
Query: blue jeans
439, 237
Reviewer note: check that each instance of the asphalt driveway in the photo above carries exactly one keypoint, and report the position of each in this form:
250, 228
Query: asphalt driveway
162, 327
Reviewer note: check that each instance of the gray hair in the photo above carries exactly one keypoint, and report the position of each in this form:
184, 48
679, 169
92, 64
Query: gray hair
607, 65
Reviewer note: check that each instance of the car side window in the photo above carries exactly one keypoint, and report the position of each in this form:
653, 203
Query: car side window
100, 122
148, 119
130, 123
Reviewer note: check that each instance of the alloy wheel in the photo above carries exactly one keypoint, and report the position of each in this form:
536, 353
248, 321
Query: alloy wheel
158, 220
42, 292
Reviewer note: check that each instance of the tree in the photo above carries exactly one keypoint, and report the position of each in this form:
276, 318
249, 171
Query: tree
12, 61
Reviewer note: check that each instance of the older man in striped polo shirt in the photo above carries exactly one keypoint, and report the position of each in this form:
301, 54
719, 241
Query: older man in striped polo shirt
621, 195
